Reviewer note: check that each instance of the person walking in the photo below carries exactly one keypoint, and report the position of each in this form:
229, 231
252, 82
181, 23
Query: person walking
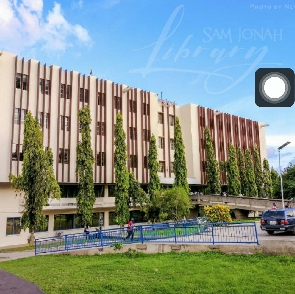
130, 230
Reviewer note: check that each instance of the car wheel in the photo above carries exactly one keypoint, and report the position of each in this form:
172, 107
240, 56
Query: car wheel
271, 232
293, 231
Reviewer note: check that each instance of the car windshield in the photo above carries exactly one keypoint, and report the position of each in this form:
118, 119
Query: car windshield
274, 214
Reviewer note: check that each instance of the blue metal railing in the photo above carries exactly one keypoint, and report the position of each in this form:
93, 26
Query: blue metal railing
193, 231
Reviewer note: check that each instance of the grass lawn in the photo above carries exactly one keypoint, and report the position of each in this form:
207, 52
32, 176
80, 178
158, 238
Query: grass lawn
132, 272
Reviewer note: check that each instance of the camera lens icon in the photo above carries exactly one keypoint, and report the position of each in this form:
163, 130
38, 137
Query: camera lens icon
274, 87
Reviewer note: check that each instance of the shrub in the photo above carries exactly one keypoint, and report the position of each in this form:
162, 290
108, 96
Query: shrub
217, 213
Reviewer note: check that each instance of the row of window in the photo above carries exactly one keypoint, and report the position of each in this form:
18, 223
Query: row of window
161, 143
161, 119
64, 157
61, 222
65, 92
70, 221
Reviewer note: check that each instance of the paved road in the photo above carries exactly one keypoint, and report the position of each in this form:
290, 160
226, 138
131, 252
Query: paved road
285, 236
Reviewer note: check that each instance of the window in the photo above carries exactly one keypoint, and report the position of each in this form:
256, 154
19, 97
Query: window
132, 133
145, 162
212, 123
112, 218
118, 102
160, 118
132, 105
62, 123
42, 86
171, 120
146, 135
18, 79
25, 82
101, 128
66, 222
133, 161
60, 155
172, 167
100, 159
236, 129
101, 98
17, 152
47, 87
21, 81
161, 166
43, 228
13, 226
146, 109
16, 115
67, 123
97, 219
62, 90
40, 118
220, 125
68, 94
81, 94
86, 96
161, 143
47, 120
23, 115
64, 156
172, 144
202, 121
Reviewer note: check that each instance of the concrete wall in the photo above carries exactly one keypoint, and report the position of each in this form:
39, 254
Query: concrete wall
265, 247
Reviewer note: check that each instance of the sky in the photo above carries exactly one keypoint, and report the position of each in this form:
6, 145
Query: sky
200, 52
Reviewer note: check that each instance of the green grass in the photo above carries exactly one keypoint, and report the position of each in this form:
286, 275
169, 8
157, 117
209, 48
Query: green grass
17, 249
169, 273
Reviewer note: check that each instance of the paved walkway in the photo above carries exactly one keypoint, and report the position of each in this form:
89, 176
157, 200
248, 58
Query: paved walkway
16, 255
11, 284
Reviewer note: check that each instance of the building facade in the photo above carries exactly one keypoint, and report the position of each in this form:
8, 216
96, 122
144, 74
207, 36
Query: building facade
54, 96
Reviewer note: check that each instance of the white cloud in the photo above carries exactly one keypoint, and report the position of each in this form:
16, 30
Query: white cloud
77, 4
278, 140
23, 25
111, 3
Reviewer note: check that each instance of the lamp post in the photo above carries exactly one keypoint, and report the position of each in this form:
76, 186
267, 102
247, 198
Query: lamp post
281, 178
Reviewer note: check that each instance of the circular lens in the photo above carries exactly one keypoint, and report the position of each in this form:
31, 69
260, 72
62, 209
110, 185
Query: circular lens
275, 87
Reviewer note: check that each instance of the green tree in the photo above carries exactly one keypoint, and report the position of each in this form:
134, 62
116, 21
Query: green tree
175, 203
136, 193
212, 166
242, 170
153, 164
267, 182
179, 165
250, 185
258, 172
275, 183
84, 169
289, 181
232, 172
121, 173
37, 180
172, 203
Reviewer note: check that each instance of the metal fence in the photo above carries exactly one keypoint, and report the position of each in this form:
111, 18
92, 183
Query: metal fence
194, 231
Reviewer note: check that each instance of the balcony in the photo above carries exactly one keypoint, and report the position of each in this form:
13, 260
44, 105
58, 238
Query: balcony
70, 203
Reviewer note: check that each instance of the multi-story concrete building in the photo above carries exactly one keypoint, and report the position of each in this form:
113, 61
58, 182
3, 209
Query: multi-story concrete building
54, 95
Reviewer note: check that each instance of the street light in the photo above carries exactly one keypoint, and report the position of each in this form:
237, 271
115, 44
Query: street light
264, 125
282, 191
